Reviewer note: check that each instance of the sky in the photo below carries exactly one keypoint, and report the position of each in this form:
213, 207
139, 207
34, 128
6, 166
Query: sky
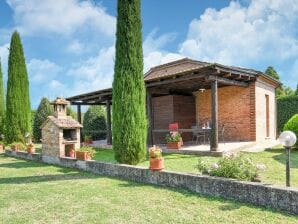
69, 44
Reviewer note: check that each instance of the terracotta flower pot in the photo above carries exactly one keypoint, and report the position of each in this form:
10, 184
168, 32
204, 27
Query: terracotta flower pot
174, 145
30, 149
72, 153
83, 155
88, 142
15, 148
2, 147
156, 164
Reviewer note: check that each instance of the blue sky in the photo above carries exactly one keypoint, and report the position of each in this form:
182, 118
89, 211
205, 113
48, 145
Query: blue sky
69, 44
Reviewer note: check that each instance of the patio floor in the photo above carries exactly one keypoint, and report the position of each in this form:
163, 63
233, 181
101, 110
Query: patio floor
204, 149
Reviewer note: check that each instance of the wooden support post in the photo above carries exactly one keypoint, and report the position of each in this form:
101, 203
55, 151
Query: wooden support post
150, 119
79, 118
109, 129
214, 117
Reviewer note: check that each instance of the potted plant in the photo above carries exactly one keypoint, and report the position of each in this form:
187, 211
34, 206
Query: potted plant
2, 146
30, 148
156, 159
88, 139
17, 146
174, 140
85, 153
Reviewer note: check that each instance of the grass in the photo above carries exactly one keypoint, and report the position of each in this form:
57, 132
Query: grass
274, 159
32, 192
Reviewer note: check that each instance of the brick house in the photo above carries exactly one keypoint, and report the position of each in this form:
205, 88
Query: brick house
193, 92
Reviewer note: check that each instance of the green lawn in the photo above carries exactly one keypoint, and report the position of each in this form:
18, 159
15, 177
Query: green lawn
274, 159
37, 193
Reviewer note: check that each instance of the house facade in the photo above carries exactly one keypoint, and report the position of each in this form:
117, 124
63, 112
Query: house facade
237, 100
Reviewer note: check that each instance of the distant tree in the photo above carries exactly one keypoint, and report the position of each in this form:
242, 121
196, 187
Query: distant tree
129, 105
296, 91
18, 109
271, 72
288, 91
70, 112
44, 110
2, 103
94, 123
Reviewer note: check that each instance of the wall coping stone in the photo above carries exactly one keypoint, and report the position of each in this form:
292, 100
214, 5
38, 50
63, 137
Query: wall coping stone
260, 194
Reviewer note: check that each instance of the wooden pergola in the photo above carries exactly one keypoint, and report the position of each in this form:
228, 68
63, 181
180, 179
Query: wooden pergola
161, 81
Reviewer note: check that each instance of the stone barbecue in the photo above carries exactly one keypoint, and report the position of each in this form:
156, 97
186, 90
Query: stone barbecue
60, 132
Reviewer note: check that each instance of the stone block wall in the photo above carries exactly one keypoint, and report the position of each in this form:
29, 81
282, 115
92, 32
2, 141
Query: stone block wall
51, 140
260, 194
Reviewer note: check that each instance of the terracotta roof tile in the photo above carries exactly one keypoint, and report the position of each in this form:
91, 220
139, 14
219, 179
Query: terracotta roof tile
67, 122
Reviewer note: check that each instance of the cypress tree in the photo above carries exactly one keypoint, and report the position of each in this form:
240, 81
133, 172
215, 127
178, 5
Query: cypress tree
18, 111
129, 113
44, 110
2, 103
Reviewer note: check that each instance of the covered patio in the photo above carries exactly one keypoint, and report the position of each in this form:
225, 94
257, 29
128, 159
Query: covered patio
189, 93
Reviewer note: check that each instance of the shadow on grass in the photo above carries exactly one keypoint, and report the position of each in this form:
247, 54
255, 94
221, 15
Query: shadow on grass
228, 204
44, 178
281, 156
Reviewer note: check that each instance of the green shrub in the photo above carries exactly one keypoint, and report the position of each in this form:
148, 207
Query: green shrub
94, 124
18, 145
292, 125
236, 167
286, 107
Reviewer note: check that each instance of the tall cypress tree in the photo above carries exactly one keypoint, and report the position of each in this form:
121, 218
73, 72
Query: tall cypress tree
2, 103
129, 113
18, 110
44, 110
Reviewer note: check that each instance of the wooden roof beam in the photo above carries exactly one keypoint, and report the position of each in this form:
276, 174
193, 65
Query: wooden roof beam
227, 81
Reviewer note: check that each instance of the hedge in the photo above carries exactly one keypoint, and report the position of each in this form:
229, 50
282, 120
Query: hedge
287, 106
292, 125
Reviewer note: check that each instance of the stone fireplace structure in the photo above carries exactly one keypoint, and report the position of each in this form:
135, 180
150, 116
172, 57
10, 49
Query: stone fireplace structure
60, 132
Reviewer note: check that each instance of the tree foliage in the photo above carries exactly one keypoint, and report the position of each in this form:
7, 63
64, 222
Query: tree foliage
70, 112
292, 125
18, 109
129, 113
44, 110
2, 103
272, 73
287, 106
94, 123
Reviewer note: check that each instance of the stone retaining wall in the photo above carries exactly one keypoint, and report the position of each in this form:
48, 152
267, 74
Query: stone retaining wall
254, 193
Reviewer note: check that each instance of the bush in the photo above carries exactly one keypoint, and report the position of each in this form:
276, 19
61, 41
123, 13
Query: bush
286, 107
292, 125
88, 149
94, 124
236, 167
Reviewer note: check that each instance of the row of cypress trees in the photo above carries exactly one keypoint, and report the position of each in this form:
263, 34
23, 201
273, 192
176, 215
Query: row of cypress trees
15, 119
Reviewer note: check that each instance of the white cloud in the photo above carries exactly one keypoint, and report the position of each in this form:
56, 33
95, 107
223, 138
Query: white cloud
60, 17
263, 32
42, 71
56, 85
75, 47
4, 57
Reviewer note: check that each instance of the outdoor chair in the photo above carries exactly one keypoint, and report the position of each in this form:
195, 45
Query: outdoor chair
197, 134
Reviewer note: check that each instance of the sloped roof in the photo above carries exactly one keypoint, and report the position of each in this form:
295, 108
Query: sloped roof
67, 122
173, 68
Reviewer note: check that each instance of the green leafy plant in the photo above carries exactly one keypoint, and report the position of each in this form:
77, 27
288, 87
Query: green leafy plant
155, 153
2, 143
18, 145
292, 125
88, 138
173, 137
236, 167
88, 149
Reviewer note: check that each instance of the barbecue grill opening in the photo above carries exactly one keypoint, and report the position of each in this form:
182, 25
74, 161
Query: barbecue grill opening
69, 134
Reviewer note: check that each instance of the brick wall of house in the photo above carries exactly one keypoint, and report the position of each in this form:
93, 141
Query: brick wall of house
263, 89
235, 111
